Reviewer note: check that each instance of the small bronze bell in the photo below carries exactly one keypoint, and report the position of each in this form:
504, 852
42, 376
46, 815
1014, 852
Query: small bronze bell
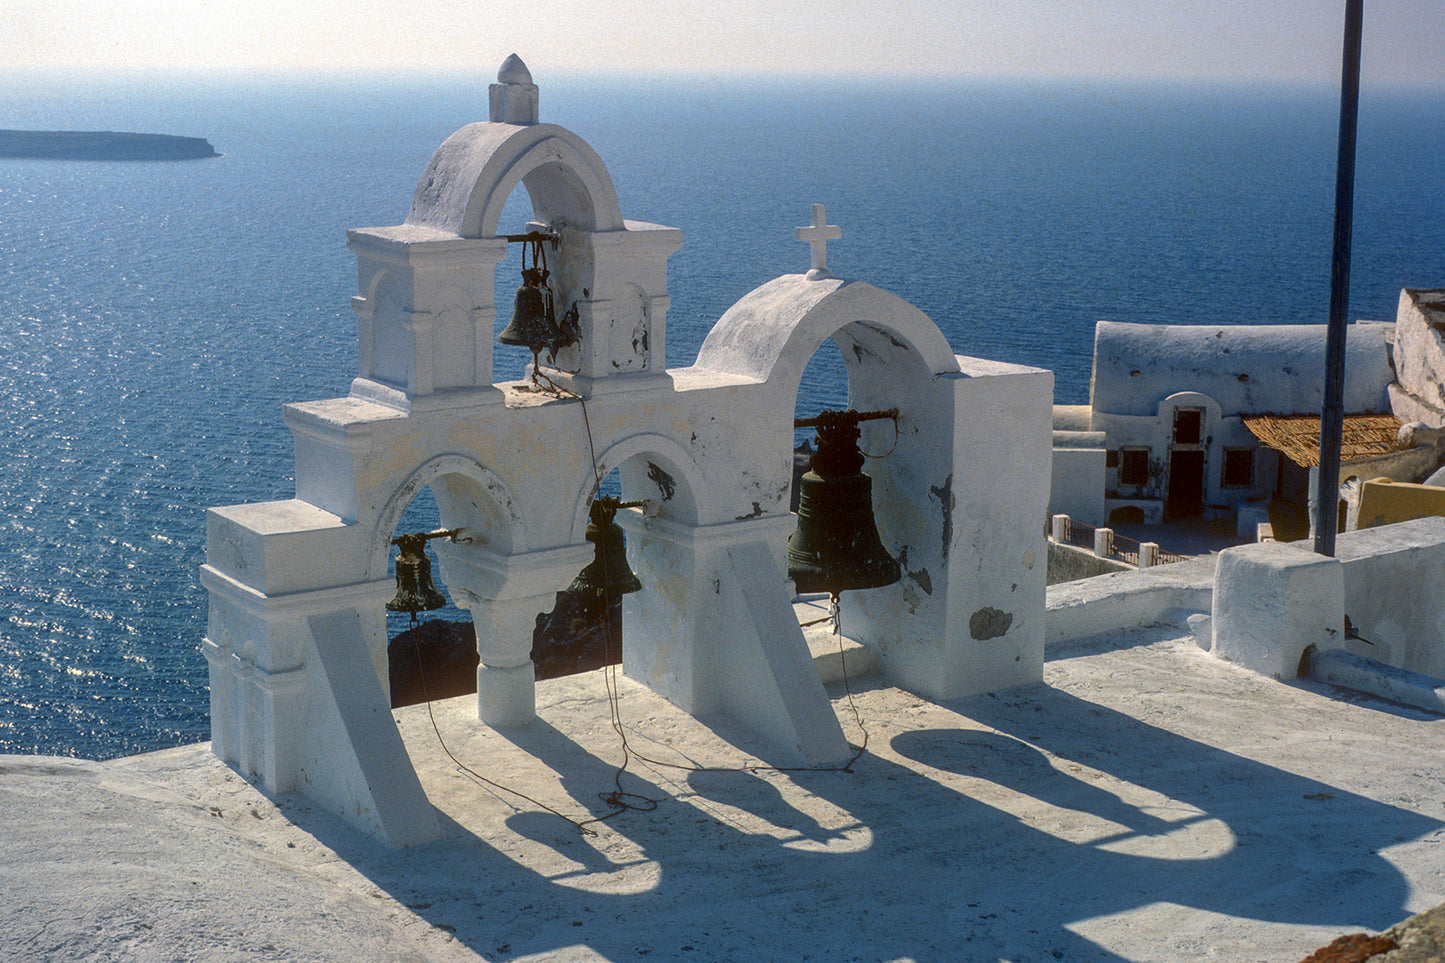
534, 323
836, 547
414, 589
534, 319
608, 574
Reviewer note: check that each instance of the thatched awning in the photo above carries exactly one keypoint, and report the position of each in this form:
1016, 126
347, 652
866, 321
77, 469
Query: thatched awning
1297, 437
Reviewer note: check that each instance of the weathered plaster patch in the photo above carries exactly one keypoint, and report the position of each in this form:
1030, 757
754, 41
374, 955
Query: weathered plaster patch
861, 352
989, 623
665, 483
946, 502
921, 576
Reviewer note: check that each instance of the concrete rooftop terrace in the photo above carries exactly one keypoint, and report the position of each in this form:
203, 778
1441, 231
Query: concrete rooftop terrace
1148, 802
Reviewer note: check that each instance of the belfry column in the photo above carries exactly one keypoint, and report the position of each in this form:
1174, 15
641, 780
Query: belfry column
506, 675
505, 594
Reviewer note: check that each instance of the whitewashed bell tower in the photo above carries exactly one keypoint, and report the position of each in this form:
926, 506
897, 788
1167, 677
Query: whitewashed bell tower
427, 310
297, 641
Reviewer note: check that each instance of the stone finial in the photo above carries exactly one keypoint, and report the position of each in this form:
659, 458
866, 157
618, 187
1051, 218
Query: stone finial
514, 97
513, 71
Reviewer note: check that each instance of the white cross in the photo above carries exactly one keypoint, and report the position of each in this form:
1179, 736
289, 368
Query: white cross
818, 234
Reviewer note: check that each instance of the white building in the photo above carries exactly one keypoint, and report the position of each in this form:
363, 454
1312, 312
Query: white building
1176, 412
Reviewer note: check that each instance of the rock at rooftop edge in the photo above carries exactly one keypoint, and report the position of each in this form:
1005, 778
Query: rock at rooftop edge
513, 71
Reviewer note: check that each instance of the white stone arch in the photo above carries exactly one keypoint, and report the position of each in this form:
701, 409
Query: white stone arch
471, 176
774, 331
372, 286
688, 501
468, 496
893, 355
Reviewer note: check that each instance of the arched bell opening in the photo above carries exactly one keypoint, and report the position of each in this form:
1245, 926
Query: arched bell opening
553, 200
867, 368
560, 196
512, 362
583, 630
431, 650
655, 487
823, 386
433, 653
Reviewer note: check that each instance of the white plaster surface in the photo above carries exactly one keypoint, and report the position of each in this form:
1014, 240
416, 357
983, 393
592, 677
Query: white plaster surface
1148, 803
1077, 487
1072, 418
1419, 394
1068, 563
1272, 601
1104, 604
1394, 584
1245, 368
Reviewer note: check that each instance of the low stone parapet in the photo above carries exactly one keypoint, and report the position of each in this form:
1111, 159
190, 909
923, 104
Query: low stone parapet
1273, 601
1129, 599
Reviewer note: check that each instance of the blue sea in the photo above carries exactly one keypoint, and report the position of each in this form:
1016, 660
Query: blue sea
155, 317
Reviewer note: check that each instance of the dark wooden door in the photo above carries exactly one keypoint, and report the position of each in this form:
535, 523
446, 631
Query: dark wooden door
1186, 484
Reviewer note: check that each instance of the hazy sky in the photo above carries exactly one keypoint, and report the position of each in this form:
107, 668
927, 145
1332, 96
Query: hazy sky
1296, 40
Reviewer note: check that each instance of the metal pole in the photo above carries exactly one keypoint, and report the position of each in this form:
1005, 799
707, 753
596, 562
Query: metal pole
1332, 415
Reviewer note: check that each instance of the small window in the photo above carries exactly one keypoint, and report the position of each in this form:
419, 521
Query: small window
1238, 468
1133, 466
1188, 426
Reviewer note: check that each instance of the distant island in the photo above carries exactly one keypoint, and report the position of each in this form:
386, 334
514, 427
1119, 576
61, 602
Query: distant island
101, 145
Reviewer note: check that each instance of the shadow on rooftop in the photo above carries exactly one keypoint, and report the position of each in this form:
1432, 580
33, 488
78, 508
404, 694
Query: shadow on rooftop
1303, 851
969, 845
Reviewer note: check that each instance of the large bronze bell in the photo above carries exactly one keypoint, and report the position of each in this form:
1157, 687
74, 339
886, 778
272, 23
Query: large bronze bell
534, 323
414, 589
608, 574
836, 547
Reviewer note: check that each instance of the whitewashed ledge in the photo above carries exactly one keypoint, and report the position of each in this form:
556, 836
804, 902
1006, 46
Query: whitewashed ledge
1162, 594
